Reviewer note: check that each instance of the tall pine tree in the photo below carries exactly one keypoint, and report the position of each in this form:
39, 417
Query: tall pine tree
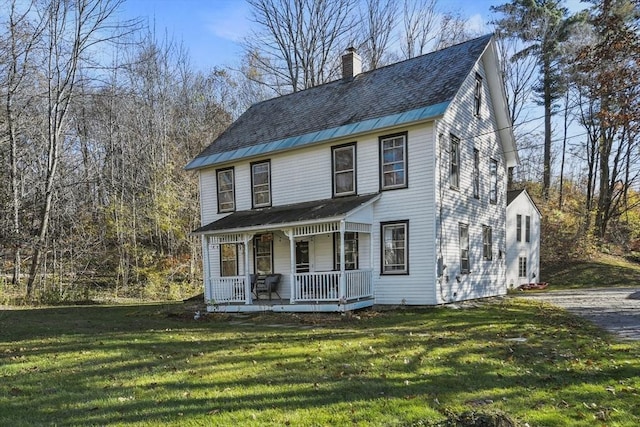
541, 26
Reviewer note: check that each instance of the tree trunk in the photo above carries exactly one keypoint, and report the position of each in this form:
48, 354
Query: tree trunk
604, 196
15, 194
546, 175
52, 166
564, 148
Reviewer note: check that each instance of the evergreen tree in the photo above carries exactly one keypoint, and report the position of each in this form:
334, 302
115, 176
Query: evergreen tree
541, 26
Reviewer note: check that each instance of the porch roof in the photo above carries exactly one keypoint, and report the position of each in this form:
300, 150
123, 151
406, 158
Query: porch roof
293, 214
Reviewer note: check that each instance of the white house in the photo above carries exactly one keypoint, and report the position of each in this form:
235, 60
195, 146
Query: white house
523, 239
383, 187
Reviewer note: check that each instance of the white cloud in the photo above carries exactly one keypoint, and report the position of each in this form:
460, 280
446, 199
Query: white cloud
476, 24
230, 20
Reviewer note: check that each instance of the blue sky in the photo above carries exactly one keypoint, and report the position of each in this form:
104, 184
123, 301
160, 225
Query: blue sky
211, 29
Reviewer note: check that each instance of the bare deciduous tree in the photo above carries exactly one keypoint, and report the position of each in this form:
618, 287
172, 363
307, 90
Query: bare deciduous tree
519, 74
420, 23
610, 71
71, 30
453, 29
21, 37
378, 21
297, 41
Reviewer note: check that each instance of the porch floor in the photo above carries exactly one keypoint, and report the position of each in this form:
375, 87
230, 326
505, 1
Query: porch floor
284, 305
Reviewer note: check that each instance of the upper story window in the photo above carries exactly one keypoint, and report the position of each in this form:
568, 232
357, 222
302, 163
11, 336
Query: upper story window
527, 228
493, 181
226, 190
261, 184
393, 161
343, 162
477, 96
487, 243
463, 236
476, 173
454, 162
395, 247
519, 228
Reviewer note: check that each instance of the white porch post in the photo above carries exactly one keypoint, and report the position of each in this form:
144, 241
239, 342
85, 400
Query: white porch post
292, 261
247, 276
343, 277
207, 268
371, 268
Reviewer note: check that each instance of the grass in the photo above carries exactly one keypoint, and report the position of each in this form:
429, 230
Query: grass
604, 271
153, 364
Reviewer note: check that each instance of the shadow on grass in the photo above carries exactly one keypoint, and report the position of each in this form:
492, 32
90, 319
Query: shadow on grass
109, 365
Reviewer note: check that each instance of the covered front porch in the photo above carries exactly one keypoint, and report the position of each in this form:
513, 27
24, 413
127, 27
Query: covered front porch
321, 253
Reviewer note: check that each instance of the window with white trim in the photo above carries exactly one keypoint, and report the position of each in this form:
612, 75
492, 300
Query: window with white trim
487, 241
477, 96
261, 184
519, 228
343, 161
263, 253
350, 251
463, 235
395, 247
226, 190
493, 180
393, 162
476, 173
527, 229
522, 266
454, 162
228, 259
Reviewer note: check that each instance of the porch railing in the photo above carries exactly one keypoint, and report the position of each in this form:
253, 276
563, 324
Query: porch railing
227, 289
359, 284
315, 287
325, 286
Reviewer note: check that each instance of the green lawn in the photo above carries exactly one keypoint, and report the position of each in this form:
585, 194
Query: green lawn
154, 364
605, 271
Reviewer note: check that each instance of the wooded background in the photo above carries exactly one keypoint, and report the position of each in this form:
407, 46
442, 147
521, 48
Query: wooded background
99, 117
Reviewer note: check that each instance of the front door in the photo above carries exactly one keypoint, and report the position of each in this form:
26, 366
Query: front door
302, 256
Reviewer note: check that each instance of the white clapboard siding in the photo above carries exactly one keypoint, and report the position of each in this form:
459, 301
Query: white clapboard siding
459, 206
208, 196
432, 209
415, 204
322, 252
523, 205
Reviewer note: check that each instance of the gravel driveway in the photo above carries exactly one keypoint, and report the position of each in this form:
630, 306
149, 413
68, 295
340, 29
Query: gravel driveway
615, 309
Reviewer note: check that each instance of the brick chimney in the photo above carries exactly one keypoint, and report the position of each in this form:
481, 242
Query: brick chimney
351, 64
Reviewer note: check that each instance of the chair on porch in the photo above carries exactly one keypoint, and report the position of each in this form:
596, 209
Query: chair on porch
265, 284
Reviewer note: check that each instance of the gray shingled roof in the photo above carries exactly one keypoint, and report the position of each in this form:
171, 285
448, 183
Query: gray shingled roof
424, 81
288, 214
512, 194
